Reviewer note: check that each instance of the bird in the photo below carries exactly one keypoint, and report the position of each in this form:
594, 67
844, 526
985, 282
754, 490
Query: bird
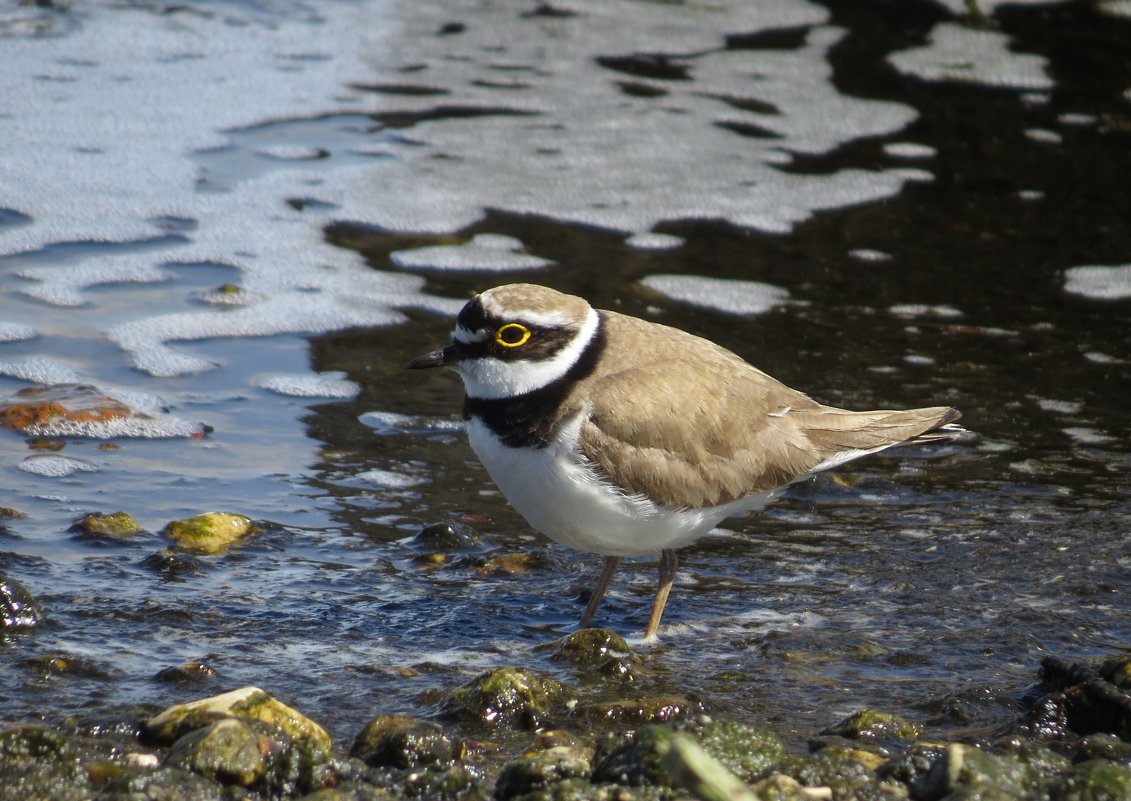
623, 437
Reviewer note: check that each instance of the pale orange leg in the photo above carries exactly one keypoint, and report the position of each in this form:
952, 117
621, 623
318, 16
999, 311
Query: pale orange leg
607, 571
669, 563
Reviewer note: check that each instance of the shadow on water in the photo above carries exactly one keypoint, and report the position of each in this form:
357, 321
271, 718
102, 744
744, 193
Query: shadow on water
931, 581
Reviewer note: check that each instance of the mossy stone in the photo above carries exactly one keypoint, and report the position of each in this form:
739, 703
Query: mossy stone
210, 533
112, 526
512, 695
747, 751
228, 751
1094, 780
530, 774
401, 742
247, 702
872, 724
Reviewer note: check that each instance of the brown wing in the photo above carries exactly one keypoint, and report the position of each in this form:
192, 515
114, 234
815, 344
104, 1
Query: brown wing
709, 428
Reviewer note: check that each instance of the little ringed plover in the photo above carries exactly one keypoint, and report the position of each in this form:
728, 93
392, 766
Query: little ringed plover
623, 437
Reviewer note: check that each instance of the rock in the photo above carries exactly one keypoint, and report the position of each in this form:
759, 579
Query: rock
870, 724
597, 651
747, 751
648, 709
638, 761
18, 610
210, 533
1118, 671
163, 784
32, 409
971, 773
506, 695
693, 769
228, 751
452, 783
247, 702
117, 526
531, 774
1103, 746
446, 537
402, 742
1094, 780
39, 763
779, 787
846, 772
350, 791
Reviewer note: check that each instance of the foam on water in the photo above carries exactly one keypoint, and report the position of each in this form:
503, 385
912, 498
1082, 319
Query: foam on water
487, 252
721, 294
957, 52
321, 385
1099, 282
50, 465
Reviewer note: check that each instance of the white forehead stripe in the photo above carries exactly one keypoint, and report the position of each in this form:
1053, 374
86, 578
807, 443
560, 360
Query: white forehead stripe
489, 378
467, 336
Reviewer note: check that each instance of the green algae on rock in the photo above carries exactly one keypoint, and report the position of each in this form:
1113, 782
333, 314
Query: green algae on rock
246, 702
209, 533
511, 695
228, 751
596, 653
112, 526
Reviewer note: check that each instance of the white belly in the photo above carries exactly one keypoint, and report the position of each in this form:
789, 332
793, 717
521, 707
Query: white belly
563, 497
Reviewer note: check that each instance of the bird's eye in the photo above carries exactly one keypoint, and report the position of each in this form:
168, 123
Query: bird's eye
512, 335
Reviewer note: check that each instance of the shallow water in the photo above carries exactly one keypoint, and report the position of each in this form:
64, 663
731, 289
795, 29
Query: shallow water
929, 582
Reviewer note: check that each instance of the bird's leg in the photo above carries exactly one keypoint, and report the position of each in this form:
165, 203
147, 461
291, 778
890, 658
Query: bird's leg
598, 593
669, 563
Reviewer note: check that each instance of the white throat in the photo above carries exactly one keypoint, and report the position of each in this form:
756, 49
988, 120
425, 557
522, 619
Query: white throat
489, 378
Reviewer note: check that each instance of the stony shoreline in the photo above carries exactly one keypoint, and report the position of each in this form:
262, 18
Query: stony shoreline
514, 734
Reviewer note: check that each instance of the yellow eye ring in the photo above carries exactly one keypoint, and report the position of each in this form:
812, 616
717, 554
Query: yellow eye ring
512, 335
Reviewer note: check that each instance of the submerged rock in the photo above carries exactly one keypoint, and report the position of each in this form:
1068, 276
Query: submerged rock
82, 410
247, 702
210, 533
645, 709
512, 695
873, 725
112, 526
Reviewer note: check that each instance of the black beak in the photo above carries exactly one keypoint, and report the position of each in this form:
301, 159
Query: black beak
443, 357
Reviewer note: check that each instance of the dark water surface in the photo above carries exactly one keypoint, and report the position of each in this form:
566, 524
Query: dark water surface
928, 583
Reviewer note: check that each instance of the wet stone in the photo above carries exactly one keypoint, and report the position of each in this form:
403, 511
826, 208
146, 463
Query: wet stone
187, 674
516, 696
849, 772
747, 751
209, 533
531, 774
247, 702
228, 751
39, 763
31, 409
173, 565
645, 709
164, 783
402, 742
969, 772
597, 651
1094, 780
638, 761
18, 610
448, 536
1103, 746
874, 725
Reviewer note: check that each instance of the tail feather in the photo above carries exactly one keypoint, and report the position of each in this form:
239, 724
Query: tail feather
840, 436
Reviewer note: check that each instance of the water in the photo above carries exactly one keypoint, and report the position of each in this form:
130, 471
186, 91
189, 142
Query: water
916, 236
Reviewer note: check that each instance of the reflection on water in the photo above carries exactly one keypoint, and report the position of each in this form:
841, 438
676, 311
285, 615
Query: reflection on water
920, 581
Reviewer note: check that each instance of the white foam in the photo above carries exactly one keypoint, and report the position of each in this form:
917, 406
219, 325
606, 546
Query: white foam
961, 53
914, 310
721, 294
302, 385
909, 150
391, 423
42, 370
16, 332
1088, 436
52, 465
391, 479
867, 254
1099, 282
490, 252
